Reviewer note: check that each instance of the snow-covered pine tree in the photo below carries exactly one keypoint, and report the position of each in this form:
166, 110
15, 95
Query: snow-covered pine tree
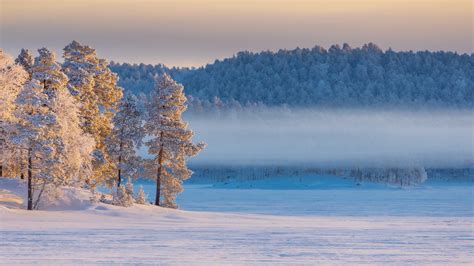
25, 59
12, 78
58, 150
77, 145
49, 128
35, 133
170, 141
95, 87
141, 197
123, 195
126, 137
48, 72
129, 187
76, 159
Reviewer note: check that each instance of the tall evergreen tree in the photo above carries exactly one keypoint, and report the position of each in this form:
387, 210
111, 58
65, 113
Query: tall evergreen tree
25, 59
35, 133
48, 72
95, 87
12, 78
76, 159
64, 155
126, 138
170, 141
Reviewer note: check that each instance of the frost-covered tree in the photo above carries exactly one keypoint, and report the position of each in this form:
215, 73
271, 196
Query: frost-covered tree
35, 133
129, 187
95, 87
58, 152
123, 195
77, 145
25, 59
126, 137
48, 72
76, 159
48, 127
141, 197
170, 141
12, 78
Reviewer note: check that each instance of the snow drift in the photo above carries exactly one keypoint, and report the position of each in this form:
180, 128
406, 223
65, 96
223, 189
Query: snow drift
13, 193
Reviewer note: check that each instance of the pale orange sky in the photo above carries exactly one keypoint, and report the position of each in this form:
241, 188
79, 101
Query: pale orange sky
196, 32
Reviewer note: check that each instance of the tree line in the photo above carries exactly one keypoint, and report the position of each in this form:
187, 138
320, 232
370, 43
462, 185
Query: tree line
71, 125
336, 77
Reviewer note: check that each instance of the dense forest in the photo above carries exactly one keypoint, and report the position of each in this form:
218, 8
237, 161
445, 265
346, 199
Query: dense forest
337, 77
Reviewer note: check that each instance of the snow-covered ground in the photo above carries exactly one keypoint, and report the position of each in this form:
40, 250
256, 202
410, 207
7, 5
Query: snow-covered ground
330, 223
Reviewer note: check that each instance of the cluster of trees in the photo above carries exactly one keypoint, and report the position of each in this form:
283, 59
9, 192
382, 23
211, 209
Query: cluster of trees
69, 124
396, 176
403, 177
337, 77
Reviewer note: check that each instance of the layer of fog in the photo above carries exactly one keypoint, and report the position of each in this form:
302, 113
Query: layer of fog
342, 138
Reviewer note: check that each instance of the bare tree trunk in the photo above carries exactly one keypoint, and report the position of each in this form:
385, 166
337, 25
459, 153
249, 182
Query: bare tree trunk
119, 175
35, 206
22, 165
30, 190
1, 170
158, 174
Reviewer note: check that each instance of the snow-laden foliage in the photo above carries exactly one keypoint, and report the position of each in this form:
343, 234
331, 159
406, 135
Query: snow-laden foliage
171, 139
12, 78
48, 127
48, 72
125, 138
339, 76
129, 187
77, 160
76, 145
36, 132
141, 197
122, 197
95, 87
26, 60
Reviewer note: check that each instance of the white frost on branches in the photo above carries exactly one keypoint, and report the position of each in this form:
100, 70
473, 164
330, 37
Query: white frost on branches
171, 139
126, 137
12, 78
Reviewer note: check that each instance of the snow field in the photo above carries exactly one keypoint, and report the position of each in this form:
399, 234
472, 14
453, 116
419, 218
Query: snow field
106, 234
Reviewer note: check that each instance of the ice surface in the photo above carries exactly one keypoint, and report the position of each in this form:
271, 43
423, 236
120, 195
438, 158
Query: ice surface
319, 228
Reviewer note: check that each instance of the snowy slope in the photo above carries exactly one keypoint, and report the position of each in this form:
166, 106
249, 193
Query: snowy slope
105, 234
13, 193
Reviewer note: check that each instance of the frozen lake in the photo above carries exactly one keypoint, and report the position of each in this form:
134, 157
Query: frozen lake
326, 196
327, 221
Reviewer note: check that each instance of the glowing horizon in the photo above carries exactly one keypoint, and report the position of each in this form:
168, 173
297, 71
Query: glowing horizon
196, 32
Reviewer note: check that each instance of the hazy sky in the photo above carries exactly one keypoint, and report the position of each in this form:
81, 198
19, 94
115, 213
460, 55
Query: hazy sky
196, 32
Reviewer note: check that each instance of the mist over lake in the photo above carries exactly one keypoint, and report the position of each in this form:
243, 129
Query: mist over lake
336, 138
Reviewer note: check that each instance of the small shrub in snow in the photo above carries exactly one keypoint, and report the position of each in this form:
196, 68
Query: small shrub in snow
95, 197
141, 197
122, 198
103, 198
129, 187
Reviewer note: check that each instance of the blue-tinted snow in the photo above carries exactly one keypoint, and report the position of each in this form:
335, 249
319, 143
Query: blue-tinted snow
326, 195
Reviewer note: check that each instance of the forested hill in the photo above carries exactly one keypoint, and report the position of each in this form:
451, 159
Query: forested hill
337, 77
